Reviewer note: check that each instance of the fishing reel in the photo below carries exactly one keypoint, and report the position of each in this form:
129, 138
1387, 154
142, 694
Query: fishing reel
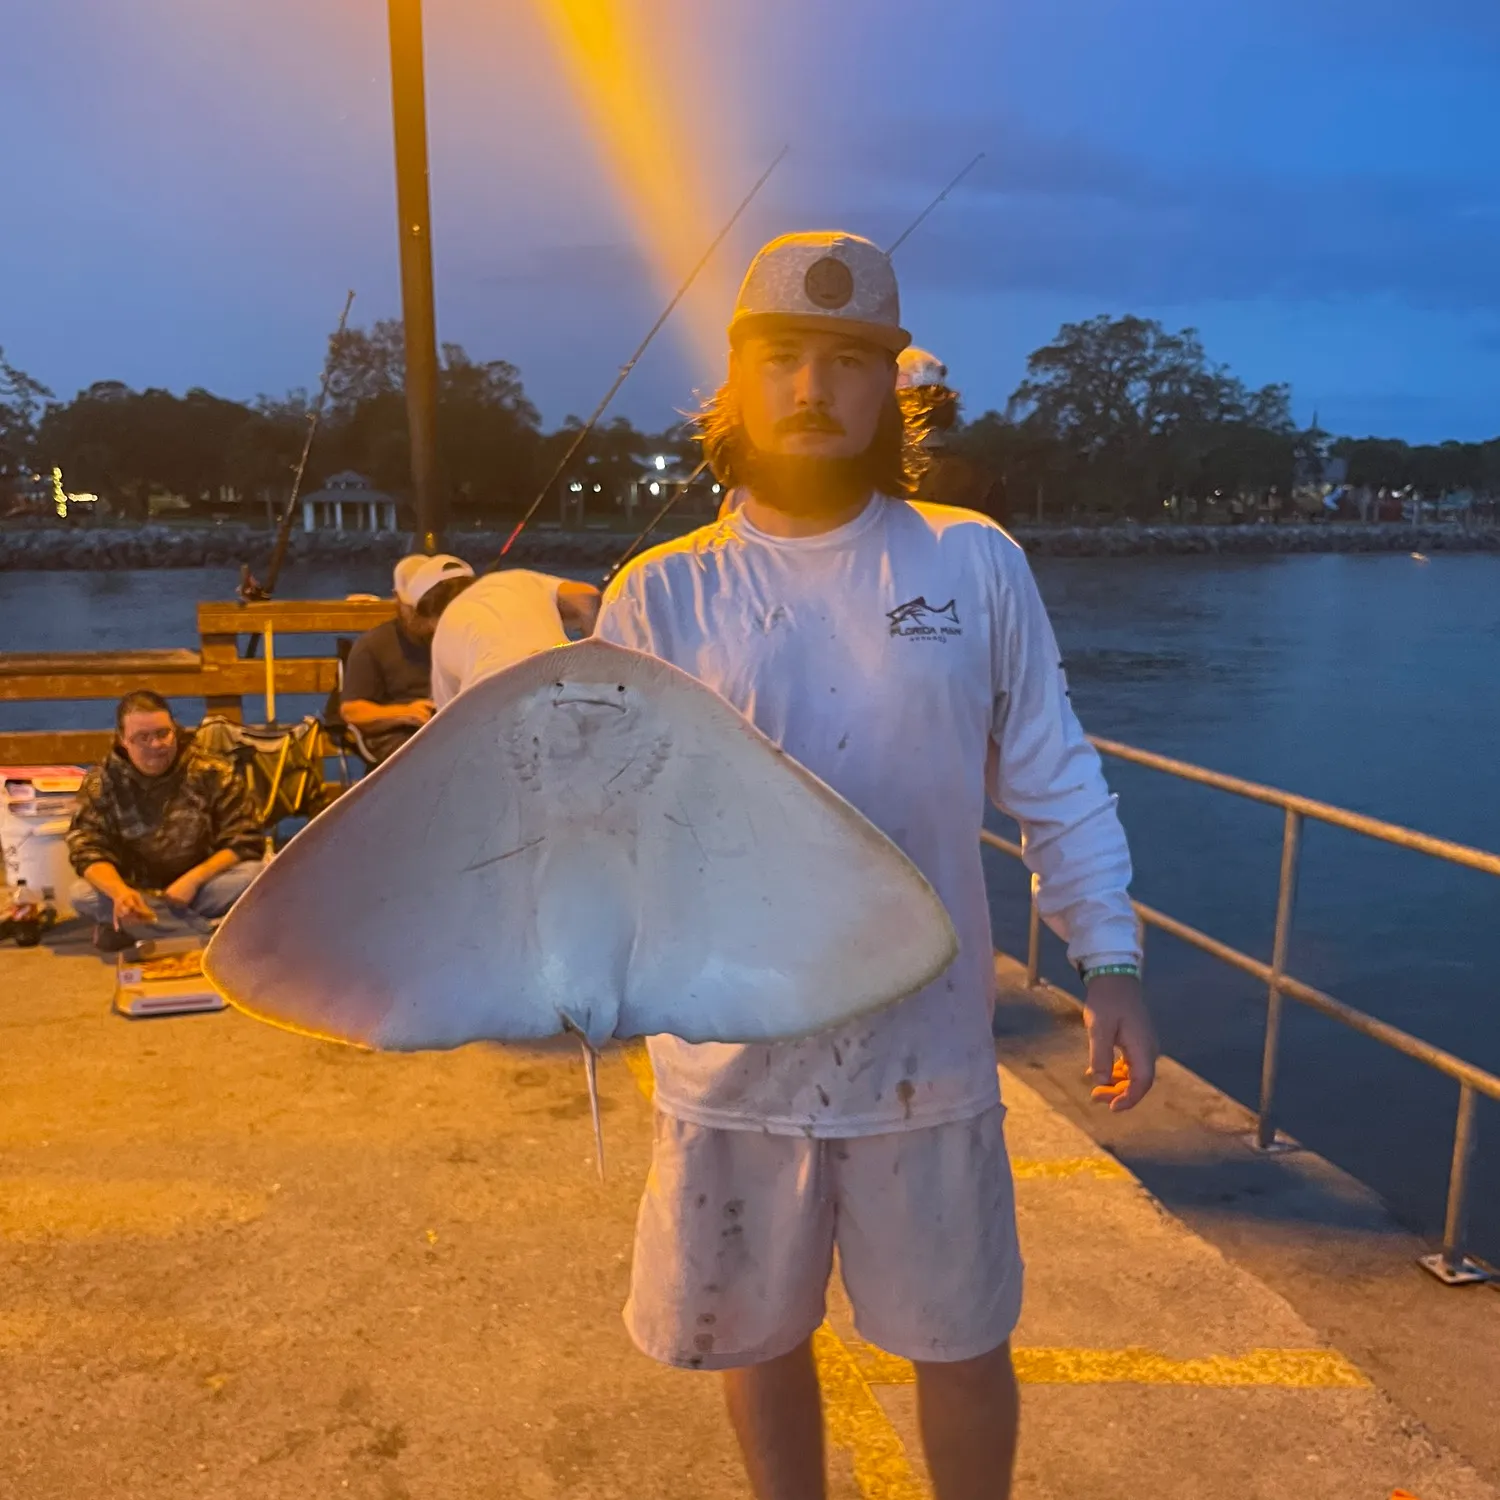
249, 589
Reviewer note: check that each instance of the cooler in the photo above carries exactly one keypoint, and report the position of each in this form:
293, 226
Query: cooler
35, 811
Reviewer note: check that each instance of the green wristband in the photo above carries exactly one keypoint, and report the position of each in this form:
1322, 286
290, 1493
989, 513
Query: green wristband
1131, 971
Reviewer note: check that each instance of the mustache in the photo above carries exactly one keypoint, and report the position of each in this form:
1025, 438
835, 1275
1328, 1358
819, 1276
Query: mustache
809, 421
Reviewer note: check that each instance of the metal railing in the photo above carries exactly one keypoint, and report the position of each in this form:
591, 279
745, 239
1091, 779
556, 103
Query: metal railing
1450, 1264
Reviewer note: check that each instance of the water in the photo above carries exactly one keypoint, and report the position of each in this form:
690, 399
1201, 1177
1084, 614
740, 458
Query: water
1369, 682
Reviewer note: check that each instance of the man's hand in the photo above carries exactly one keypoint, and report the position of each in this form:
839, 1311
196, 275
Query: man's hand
182, 891
1115, 1013
131, 906
363, 714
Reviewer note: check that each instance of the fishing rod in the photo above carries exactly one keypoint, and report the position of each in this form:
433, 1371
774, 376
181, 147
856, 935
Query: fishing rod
687, 483
653, 523
634, 359
250, 590
916, 223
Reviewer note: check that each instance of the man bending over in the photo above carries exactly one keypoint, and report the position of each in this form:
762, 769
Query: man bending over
502, 618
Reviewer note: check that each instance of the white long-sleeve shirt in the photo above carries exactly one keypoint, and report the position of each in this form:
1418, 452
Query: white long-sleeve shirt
906, 659
498, 620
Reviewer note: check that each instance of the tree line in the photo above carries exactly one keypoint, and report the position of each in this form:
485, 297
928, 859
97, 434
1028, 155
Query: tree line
1119, 416
1116, 416
225, 457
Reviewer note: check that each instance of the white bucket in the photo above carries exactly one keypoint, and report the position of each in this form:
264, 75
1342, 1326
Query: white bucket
36, 850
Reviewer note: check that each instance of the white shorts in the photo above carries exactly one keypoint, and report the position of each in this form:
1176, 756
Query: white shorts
735, 1239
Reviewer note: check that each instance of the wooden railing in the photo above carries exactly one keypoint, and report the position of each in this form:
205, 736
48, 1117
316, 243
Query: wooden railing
216, 672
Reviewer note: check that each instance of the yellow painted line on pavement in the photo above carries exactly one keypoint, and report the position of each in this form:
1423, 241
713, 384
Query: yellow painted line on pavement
1295, 1369
857, 1422
71, 1208
1031, 1169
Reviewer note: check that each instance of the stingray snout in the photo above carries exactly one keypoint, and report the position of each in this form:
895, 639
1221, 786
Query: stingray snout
591, 694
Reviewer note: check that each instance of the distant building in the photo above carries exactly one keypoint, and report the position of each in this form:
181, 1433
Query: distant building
348, 503
666, 477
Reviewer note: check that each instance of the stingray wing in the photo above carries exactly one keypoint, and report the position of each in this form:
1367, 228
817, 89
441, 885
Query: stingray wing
591, 836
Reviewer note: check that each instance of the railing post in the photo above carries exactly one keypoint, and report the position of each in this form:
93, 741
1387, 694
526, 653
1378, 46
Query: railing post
1450, 1264
1034, 936
1286, 900
1458, 1178
270, 647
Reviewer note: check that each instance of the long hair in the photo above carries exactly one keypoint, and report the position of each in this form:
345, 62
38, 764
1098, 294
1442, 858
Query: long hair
928, 409
894, 460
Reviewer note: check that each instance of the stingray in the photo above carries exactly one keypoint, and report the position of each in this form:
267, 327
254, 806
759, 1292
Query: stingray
590, 841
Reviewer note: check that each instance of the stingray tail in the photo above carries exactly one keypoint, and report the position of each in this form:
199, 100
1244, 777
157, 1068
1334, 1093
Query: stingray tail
591, 1069
591, 1072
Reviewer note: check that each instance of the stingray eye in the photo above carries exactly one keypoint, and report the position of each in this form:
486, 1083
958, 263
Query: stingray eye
621, 688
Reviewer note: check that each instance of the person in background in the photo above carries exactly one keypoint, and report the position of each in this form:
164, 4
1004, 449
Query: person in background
495, 621
165, 836
930, 407
387, 690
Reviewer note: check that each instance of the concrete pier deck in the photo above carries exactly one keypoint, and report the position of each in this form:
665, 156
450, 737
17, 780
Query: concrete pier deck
239, 1263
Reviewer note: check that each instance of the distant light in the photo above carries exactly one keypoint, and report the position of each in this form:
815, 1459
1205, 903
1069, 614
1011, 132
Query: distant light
661, 462
655, 488
597, 488
576, 486
716, 489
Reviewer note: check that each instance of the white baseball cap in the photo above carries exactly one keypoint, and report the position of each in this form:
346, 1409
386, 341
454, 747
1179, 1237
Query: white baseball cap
406, 570
434, 570
823, 279
917, 367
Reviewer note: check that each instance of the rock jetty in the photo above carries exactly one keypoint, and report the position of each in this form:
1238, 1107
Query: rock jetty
53, 548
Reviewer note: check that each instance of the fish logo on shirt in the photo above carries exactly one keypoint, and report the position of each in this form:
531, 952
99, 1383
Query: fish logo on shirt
919, 618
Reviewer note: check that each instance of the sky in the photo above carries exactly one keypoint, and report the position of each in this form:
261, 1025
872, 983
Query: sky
190, 186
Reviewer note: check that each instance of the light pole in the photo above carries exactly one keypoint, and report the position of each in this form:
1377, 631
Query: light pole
409, 117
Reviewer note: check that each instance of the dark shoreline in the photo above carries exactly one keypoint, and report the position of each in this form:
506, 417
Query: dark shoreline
58, 549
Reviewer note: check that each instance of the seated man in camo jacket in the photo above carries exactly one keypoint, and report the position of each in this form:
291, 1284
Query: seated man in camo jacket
165, 836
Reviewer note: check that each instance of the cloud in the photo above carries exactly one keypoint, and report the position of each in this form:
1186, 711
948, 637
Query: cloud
587, 270
1078, 221
903, 160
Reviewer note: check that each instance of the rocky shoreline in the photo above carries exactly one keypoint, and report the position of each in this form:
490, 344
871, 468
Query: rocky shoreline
58, 548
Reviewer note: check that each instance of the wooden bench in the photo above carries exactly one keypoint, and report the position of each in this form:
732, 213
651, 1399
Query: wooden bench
216, 672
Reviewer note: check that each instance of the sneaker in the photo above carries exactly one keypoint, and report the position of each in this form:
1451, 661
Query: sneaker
109, 939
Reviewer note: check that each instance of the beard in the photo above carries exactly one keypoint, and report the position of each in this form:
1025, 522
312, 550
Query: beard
806, 484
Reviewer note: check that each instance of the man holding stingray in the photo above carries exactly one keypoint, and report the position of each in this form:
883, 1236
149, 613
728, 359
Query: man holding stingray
902, 653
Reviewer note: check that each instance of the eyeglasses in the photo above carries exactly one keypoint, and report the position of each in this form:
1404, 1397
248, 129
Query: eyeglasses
146, 738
